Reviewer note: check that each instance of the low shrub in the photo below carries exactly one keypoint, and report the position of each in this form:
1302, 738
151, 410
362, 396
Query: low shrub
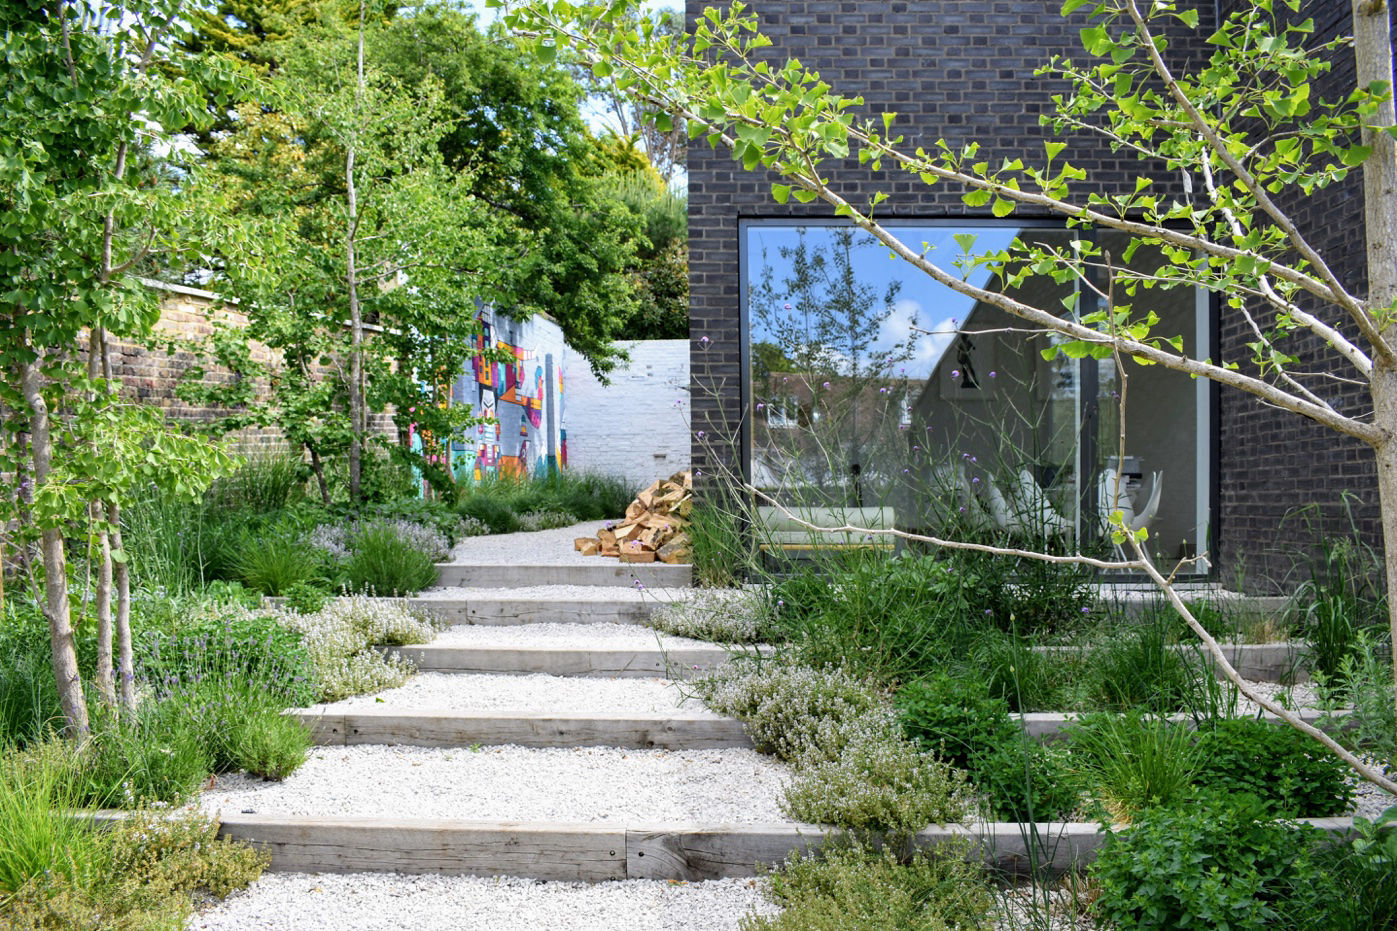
270, 745
153, 870
37, 837
789, 708
1364, 682
1360, 873
716, 615
955, 716
155, 755
382, 560
1224, 864
1027, 781
340, 639
878, 782
273, 561
28, 693
493, 513
854, 887
1289, 772
1132, 762
341, 540
546, 520
1140, 669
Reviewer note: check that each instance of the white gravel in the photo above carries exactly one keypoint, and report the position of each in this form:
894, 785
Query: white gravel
562, 636
535, 548
393, 901
536, 694
1301, 697
590, 784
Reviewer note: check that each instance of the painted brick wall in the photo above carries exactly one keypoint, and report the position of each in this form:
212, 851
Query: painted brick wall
637, 426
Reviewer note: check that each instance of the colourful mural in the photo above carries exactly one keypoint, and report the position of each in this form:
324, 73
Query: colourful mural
523, 397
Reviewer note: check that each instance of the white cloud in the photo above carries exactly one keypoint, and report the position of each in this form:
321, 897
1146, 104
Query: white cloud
927, 347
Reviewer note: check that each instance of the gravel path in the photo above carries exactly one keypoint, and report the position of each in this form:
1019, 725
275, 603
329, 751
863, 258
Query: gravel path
562, 636
536, 548
592, 784
537, 694
393, 901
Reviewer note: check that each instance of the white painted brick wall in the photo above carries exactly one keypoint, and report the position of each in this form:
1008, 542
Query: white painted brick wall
637, 426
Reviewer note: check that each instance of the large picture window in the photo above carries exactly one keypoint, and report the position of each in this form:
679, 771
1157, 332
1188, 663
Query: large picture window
872, 386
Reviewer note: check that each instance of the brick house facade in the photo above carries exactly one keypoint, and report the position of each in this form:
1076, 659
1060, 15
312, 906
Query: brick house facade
963, 70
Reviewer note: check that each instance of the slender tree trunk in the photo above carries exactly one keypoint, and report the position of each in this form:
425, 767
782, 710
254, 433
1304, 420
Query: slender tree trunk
1372, 51
125, 657
56, 607
356, 317
318, 468
98, 514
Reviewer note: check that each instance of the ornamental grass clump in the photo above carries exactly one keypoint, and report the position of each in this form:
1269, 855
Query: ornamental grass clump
340, 640
716, 615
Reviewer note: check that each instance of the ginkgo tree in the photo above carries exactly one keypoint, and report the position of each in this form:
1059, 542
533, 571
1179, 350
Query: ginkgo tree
93, 191
1245, 123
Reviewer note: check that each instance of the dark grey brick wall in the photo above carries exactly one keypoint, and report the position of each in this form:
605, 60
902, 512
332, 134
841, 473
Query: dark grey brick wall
964, 70
1271, 463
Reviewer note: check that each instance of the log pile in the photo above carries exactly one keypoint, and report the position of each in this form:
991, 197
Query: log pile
655, 527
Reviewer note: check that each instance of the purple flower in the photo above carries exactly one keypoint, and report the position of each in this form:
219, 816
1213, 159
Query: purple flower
955, 373
993, 374
988, 612
962, 509
700, 434
826, 384
785, 306
975, 480
761, 405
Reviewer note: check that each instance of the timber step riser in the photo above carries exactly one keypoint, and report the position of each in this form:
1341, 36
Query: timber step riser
674, 664
622, 575
468, 612
632, 732
603, 852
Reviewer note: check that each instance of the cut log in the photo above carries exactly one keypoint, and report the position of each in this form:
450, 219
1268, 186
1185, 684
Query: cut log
637, 555
677, 550
590, 547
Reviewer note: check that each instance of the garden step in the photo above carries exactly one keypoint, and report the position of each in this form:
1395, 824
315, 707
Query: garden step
601, 852
670, 731
599, 571
683, 662
1051, 725
552, 604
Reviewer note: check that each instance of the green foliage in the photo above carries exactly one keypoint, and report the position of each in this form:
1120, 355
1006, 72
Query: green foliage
1290, 773
1207, 866
955, 716
1364, 683
28, 695
1140, 668
1132, 762
383, 562
718, 553
1028, 781
263, 484
272, 746
141, 873
273, 561
504, 503
305, 598
1360, 874
1020, 779
492, 512
851, 887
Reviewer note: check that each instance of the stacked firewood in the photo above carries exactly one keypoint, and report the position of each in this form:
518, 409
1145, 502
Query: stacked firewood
655, 527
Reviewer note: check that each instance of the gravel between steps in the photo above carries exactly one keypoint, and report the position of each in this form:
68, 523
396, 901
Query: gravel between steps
393, 901
535, 548
563, 636
536, 694
593, 784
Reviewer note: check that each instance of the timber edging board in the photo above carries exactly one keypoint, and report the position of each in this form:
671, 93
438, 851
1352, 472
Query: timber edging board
669, 731
680, 662
596, 852
501, 612
602, 572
